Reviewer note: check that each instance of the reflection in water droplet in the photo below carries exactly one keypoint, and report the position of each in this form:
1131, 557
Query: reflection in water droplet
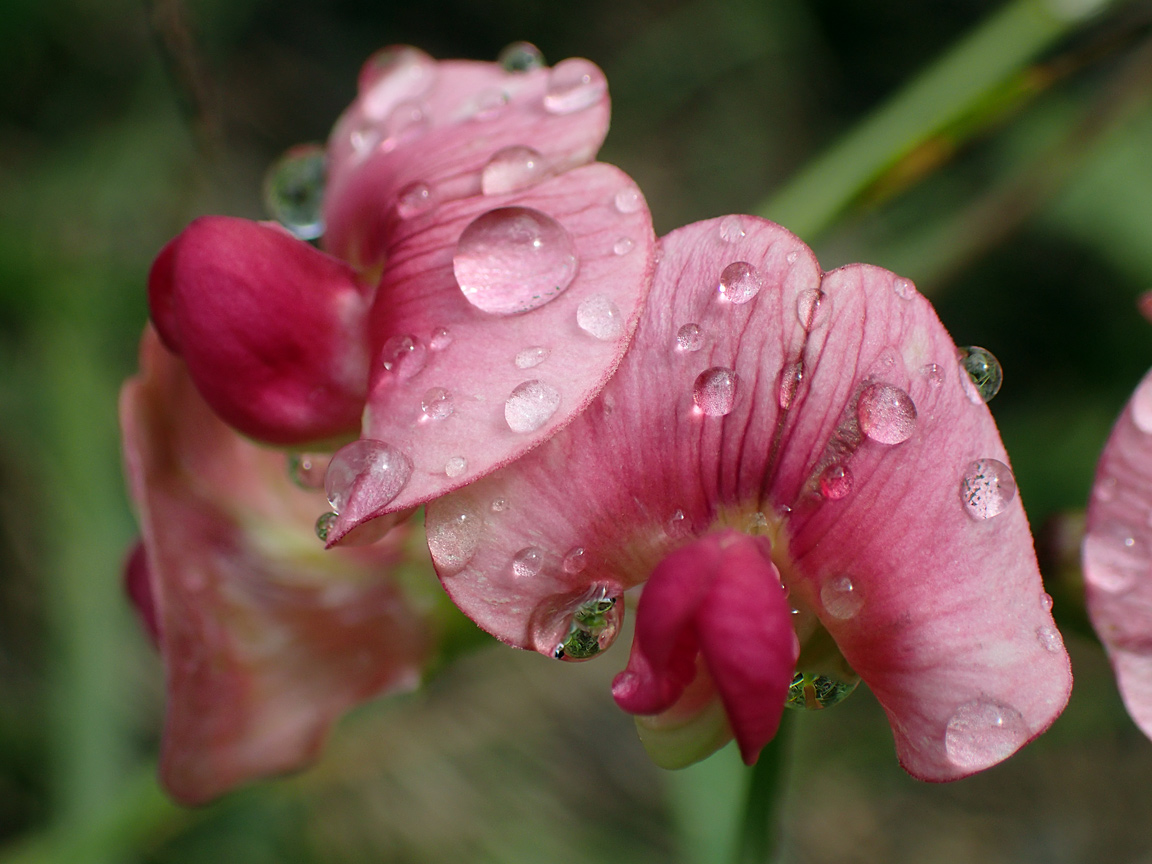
531, 405
689, 338
527, 562
441, 339
414, 199
595, 624
1114, 559
982, 733
791, 377
628, 200
835, 482
436, 403
813, 691
324, 525
453, 535
455, 466
575, 84
294, 190
841, 598
886, 414
980, 373
904, 289
514, 259
380, 467
1050, 638
600, 318
306, 470
1142, 406
403, 356
740, 282
623, 246
511, 170
731, 229
812, 308
530, 357
987, 488
715, 391
520, 57
575, 560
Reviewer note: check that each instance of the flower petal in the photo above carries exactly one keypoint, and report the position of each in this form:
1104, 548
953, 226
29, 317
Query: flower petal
266, 638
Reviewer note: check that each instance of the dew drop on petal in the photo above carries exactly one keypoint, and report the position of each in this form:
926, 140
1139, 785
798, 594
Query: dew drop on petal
403, 356
600, 318
689, 338
393, 74
1050, 638
324, 525
514, 259
628, 200
364, 137
575, 84
436, 403
511, 170
756, 524
811, 308
1046, 601
575, 560
740, 282
623, 246
531, 405
366, 461
294, 190
904, 289
455, 466
594, 626
1142, 407
791, 376
1113, 558
814, 691
527, 563
731, 229
453, 535
715, 391
987, 488
441, 339
886, 414
531, 357
407, 121
792, 256
306, 470
415, 198
982, 733
677, 524
835, 482
933, 373
520, 57
487, 104
980, 374
498, 505
841, 598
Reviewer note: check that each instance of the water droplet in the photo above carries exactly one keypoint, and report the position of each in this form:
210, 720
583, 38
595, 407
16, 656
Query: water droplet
366, 462
623, 246
980, 373
455, 466
841, 598
307, 469
527, 563
414, 199
487, 104
982, 733
689, 338
904, 289
441, 339
814, 691
756, 524
499, 505
1142, 407
628, 200
792, 256
731, 229
1050, 638
520, 57
514, 259
600, 318
677, 524
408, 120
294, 190
1046, 601
595, 624
835, 482
886, 414
1113, 558
531, 405
575, 84
436, 403
453, 535
933, 373
740, 282
364, 137
393, 74
987, 489
575, 561
811, 308
512, 169
715, 391
324, 525
531, 357
791, 377
403, 356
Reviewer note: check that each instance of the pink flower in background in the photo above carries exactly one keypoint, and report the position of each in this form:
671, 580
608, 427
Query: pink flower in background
813, 488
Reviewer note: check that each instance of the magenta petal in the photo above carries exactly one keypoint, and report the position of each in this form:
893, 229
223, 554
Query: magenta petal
1117, 554
266, 638
272, 330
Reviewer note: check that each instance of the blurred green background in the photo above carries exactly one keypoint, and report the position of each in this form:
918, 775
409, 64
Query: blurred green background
1000, 155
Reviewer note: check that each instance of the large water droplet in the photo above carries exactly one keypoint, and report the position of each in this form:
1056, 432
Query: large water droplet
512, 169
812, 308
886, 414
595, 624
453, 535
575, 560
324, 525
791, 376
982, 733
1114, 559
731, 229
528, 562
575, 84
715, 391
740, 282
836, 482
987, 489
689, 338
841, 598
307, 469
1142, 407
514, 259
531, 357
456, 466
628, 200
980, 373
531, 405
403, 356
600, 318
520, 57
294, 190
366, 462
414, 199
815, 691
436, 403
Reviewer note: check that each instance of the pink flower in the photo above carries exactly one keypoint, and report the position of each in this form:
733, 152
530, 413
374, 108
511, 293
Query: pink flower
1117, 554
812, 486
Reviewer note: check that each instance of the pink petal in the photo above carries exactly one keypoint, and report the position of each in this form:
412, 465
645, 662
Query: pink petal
1117, 553
943, 614
138, 586
266, 638
272, 330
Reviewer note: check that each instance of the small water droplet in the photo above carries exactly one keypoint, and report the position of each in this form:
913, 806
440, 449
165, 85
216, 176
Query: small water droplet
453, 535
1142, 406
904, 289
982, 733
575, 561
811, 308
455, 466
791, 377
595, 624
436, 403
364, 137
600, 318
531, 357
715, 391
392, 74
980, 373
731, 229
575, 84
886, 414
306, 470
514, 259
987, 489
511, 170
403, 356
531, 405
527, 563
841, 598
379, 465
933, 373
487, 104
689, 338
676, 524
1050, 638
441, 339
1113, 558
1046, 601
628, 200
835, 482
815, 691
294, 190
623, 246
756, 524
740, 282
324, 525
792, 256
499, 505
520, 57
414, 199
407, 121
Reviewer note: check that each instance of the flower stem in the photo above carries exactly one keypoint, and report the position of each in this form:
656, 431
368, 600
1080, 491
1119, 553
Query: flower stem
759, 837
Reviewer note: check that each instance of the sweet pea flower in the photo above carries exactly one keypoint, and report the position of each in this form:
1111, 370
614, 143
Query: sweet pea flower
466, 237
808, 480
266, 638
1117, 554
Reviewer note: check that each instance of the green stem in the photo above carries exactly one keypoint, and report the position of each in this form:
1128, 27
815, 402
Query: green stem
759, 836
